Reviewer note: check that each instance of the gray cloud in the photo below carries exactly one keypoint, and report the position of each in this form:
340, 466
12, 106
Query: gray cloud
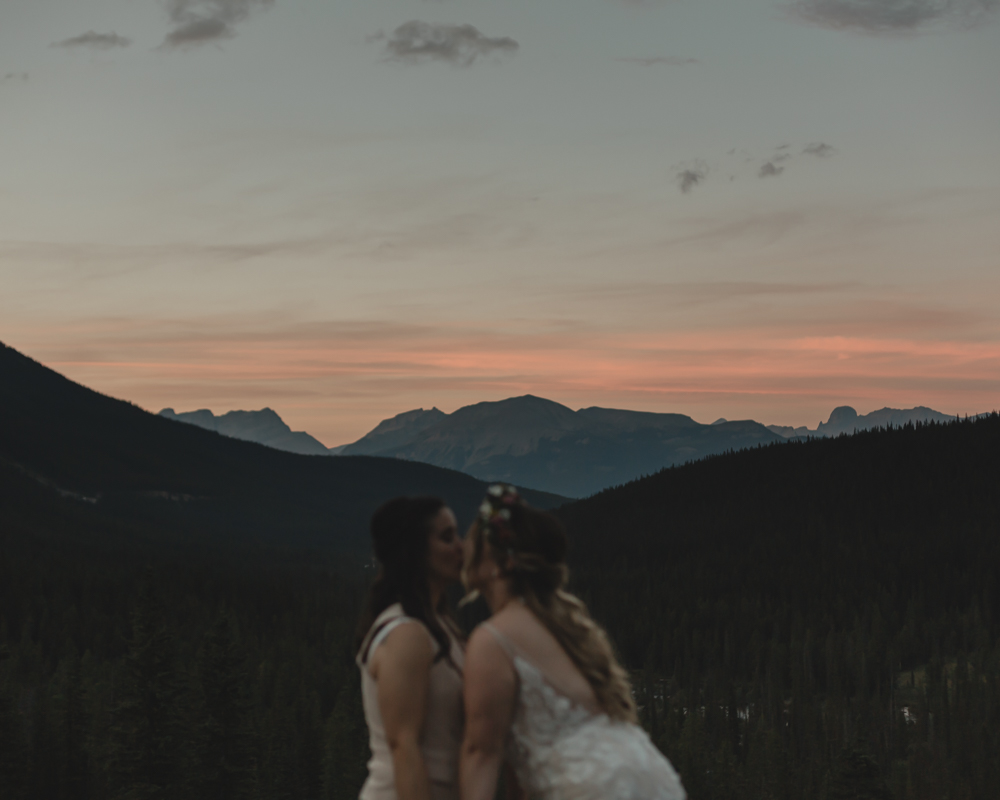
819, 149
690, 176
891, 16
12, 77
198, 22
770, 170
415, 42
95, 40
672, 61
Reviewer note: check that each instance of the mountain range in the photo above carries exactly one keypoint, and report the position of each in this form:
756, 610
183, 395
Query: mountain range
264, 427
72, 459
532, 441
845, 419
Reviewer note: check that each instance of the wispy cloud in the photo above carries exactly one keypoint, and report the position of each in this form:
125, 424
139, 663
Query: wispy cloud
670, 61
95, 41
690, 175
198, 22
418, 42
770, 170
14, 77
819, 149
891, 16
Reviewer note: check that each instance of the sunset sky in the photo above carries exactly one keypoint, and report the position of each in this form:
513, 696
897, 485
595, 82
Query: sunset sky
345, 209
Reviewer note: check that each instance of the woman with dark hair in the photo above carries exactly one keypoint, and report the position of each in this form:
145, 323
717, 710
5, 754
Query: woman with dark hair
410, 654
541, 678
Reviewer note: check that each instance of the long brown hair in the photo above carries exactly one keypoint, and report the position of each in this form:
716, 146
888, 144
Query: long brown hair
529, 546
400, 530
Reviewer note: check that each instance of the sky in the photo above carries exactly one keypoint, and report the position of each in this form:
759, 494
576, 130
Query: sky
345, 209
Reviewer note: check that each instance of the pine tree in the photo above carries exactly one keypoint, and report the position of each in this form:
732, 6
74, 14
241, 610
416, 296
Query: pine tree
13, 750
74, 769
857, 776
346, 753
224, 756
146, 748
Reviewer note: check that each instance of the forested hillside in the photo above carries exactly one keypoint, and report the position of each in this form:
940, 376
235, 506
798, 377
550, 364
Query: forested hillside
133, 668
814, 619
804, 620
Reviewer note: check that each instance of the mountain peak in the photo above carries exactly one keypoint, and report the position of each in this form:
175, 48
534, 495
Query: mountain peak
842, 414
264, 427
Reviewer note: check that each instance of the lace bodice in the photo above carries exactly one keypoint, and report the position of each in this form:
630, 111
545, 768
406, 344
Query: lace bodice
563, 751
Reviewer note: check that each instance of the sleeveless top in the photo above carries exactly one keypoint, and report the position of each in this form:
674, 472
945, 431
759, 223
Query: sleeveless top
563, 751
441, 736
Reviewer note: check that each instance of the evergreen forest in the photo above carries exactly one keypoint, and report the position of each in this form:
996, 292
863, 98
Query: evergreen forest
812, 619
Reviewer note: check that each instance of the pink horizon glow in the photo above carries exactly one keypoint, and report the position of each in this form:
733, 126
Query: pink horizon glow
338, 390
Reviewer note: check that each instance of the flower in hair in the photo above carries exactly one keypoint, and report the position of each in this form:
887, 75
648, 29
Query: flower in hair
494, 513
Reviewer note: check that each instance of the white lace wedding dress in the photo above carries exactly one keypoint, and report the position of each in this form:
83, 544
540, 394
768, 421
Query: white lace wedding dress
562, 751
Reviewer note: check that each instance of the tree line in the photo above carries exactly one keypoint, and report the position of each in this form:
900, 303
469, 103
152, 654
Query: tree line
805, 620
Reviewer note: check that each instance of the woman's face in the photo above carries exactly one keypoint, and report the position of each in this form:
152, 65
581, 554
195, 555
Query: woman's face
444, 551
478, 575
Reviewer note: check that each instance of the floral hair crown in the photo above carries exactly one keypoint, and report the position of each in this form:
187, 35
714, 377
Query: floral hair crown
494, 513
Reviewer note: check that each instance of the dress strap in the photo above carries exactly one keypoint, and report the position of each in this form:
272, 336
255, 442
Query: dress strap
508, 646
387, 622
386, 629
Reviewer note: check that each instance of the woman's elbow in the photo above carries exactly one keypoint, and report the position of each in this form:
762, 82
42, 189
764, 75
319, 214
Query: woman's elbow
479, 750
403, 742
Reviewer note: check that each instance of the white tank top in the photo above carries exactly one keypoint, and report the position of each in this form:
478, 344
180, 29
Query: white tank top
441, 737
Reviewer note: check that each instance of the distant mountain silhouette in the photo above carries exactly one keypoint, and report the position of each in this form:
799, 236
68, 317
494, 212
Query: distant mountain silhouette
536, 442
845, 419
395, 432
264, 427
73, 459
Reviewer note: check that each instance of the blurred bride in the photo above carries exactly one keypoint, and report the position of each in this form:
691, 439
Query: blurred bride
543, 690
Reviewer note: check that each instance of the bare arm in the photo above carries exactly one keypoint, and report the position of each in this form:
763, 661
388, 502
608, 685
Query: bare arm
490, 692
401, 668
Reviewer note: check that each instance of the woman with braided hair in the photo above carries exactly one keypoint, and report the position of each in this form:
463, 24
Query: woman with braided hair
543, 689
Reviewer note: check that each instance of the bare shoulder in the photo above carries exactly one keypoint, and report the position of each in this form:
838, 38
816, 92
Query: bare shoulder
483, 647
519, 625
407, 646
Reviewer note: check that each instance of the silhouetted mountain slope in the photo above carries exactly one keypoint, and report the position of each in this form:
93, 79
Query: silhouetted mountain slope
532, 441
821, 528
118, 461
264, 427
821, 603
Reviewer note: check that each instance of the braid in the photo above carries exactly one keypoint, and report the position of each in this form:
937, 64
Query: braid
532, 546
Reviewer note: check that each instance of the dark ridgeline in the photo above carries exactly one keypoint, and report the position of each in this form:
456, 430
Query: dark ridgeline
815, 619
176, 608
116, 464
